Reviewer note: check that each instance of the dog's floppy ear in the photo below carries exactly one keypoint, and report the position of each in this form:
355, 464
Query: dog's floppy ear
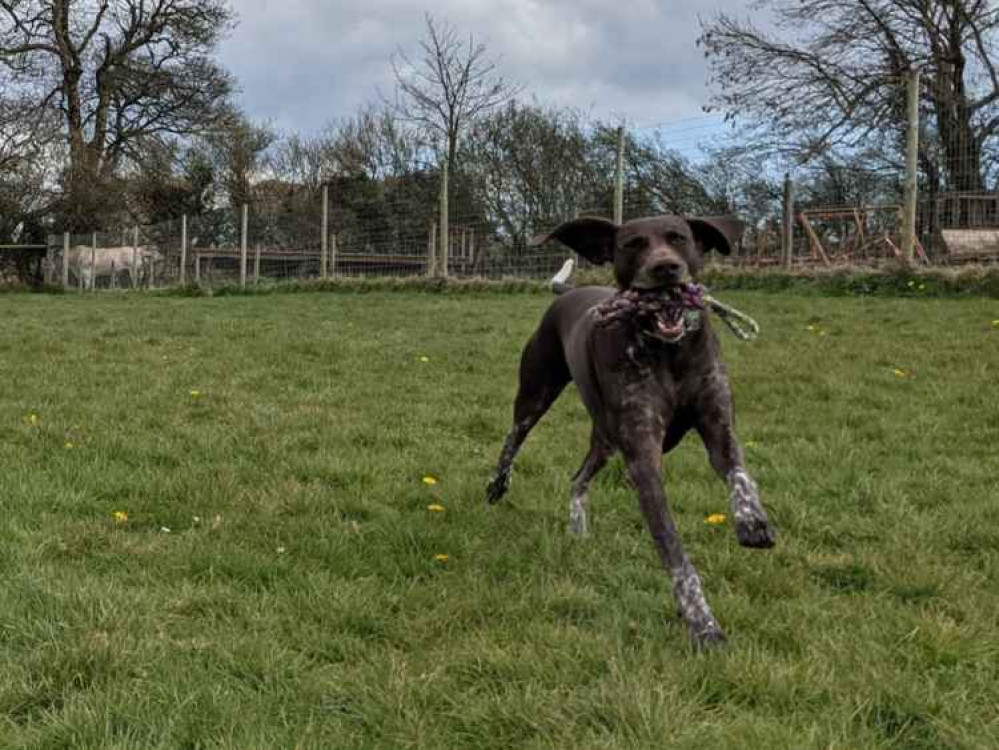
720, 233
589, 236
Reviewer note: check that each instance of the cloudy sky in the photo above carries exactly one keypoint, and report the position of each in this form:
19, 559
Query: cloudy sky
301, 63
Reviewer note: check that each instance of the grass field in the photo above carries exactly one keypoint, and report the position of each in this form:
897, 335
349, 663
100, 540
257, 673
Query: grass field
274, 584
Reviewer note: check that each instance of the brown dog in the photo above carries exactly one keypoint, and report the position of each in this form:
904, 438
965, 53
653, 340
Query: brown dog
647, 366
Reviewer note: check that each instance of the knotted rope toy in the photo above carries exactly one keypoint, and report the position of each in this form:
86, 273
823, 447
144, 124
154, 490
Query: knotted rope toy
670, 316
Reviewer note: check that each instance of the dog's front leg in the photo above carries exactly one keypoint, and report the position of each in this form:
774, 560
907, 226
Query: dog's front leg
644, 467
715, 425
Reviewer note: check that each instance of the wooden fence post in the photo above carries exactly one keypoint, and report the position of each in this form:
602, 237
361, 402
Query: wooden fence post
445, 221
619, 179
911, 169
242, 246
332, 260
93, 263
152, 259
787, 236
134, 275
183, 249
65, 260
432, 250
197, 267
256, 263
324, 241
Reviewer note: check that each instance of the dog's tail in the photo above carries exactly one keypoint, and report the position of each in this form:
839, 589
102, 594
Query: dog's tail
560, 281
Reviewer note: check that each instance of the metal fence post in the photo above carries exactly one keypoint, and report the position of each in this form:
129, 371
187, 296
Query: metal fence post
242, 246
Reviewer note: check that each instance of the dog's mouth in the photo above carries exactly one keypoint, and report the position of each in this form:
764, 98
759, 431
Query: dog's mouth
667, 324
661, 314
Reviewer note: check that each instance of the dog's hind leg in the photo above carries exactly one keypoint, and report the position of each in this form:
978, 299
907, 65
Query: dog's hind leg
543, 375
752, 527
596, 459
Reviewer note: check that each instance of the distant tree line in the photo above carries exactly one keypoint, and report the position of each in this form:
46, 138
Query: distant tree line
115, 112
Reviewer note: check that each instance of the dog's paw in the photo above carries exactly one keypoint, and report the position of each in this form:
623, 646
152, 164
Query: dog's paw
707, 637
755, 532
497, 488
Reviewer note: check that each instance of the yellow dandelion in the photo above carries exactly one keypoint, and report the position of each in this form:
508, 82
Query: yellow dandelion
995, 323
120, 516
900, 373
715, 519
195, 393
429, 480
442, 558
435, 508
812, 328
750, 443
69, 446
31, 419
424, 359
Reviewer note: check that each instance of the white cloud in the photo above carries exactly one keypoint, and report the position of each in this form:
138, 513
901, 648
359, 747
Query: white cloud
301, 63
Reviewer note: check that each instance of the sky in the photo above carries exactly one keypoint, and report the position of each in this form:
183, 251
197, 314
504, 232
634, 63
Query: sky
303, 63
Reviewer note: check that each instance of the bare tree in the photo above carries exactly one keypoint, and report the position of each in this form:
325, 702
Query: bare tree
833, 73
448, 85
118, 72
237, 149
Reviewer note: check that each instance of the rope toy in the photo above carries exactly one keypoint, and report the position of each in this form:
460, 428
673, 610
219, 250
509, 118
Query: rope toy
670, 316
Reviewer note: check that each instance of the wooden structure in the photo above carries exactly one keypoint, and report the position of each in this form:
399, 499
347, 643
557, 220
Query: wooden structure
970, 245
854, 235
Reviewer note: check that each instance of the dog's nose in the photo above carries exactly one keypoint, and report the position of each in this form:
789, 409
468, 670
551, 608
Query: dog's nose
666, 268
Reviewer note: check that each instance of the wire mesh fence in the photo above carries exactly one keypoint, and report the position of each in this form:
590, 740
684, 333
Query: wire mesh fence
843, 210
225, 248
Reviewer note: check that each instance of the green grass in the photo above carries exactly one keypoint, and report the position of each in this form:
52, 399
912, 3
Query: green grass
296, 603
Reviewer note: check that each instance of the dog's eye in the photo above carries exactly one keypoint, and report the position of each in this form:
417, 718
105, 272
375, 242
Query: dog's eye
675, 238
637, 243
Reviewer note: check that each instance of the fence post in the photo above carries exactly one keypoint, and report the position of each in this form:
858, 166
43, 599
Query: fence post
197, 267
432, 250
65, 260
93, 262
619, 179
183, 249
445, 228
256, 263
134, 275
787, 235
332, 259
911, 166
242, 246
324, 242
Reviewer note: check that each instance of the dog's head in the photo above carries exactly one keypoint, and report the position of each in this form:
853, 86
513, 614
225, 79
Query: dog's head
658, 252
